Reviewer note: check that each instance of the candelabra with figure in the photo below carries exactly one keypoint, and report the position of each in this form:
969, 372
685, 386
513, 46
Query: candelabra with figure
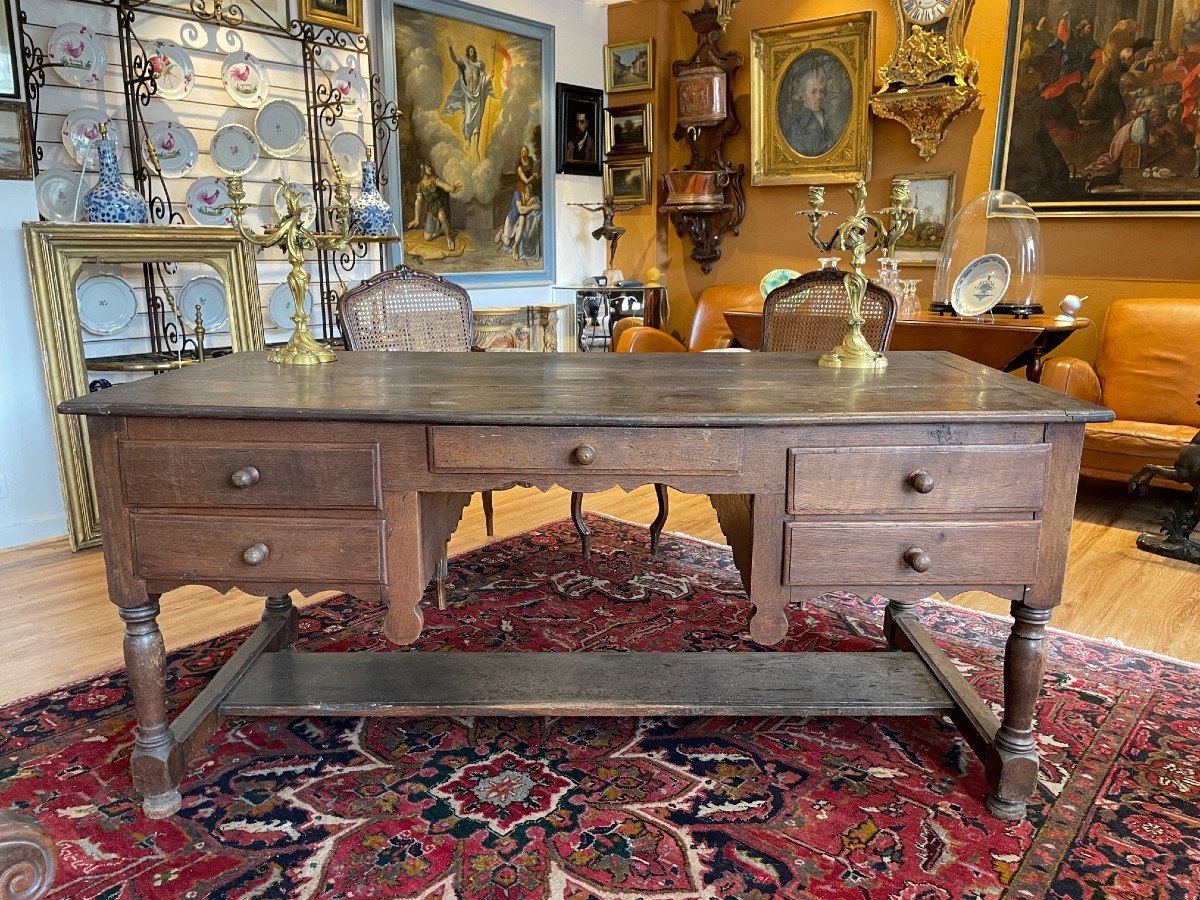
861, 235
294, 238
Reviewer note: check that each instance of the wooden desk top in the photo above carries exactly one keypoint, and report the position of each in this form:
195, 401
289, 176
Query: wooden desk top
704, 389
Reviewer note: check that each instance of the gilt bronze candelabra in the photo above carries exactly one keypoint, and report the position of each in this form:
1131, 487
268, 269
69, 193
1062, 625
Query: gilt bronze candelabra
861, 234
291, 234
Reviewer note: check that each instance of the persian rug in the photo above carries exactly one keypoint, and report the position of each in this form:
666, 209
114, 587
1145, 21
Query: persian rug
599, 809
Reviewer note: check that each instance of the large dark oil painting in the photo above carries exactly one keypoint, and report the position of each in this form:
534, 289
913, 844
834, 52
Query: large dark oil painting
475, 182
1101, 112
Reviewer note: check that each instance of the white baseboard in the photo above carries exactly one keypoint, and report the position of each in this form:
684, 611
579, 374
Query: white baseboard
20, 533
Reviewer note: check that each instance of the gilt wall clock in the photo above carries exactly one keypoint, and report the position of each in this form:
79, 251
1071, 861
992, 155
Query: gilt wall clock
930, 79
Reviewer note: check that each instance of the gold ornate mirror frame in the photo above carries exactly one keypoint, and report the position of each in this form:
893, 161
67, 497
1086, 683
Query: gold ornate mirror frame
56, 255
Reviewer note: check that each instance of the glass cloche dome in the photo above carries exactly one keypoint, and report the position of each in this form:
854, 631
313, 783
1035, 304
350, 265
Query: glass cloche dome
991, 258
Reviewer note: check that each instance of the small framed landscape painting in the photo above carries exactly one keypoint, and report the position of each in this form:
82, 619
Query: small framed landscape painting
932, 194
629, 66
16, 156
629, 130
345, 15
628, 180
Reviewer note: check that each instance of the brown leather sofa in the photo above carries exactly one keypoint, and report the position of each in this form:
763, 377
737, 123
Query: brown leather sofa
1148, 372
709, 329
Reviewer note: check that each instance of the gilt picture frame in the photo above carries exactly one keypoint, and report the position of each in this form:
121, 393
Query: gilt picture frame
628, 180
933, 196
629, 66
56, 254
16, 150
344, 15
629, 130
810, 88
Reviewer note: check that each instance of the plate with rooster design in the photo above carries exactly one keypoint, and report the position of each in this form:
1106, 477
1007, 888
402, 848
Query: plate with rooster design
175, 147
246, 80
204, 198
76, 55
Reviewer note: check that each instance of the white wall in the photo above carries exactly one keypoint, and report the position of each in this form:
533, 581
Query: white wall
33, 507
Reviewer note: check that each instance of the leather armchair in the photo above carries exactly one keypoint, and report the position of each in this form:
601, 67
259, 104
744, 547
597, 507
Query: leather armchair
1148, 372
709, 329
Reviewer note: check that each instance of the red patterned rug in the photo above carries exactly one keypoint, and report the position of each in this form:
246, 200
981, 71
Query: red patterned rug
626, 808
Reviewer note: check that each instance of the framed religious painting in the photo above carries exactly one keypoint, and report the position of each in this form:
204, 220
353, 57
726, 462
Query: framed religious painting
932, 195
577, 138
629, 130
629, 66
1100, 108
344, 15
476, 151
810, 87
627, 180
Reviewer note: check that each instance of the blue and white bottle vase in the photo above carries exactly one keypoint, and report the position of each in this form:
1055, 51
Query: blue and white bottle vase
370, 214
112, 201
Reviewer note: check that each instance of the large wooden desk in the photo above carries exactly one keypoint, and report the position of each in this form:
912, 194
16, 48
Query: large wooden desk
936, 475
1004, 342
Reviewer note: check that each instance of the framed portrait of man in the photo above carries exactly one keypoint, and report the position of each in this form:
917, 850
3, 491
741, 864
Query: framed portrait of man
476, 153
1100, 108
810, 86
578, 141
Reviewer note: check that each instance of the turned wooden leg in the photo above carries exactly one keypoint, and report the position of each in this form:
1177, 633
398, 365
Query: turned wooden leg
489, 519
656, 527
585, 534
154, 745
282, 608
27, 858
443, 568
1012, 762
897, 609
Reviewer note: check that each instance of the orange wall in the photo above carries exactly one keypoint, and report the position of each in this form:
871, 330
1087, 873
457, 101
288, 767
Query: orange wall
1102, 257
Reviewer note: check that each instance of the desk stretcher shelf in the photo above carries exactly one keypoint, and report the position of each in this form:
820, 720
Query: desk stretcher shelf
588, 684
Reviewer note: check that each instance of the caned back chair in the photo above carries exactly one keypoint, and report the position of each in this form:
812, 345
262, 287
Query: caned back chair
809, 314
405, 309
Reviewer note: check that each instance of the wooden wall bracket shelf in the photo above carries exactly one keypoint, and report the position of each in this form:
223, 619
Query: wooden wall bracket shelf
706, 119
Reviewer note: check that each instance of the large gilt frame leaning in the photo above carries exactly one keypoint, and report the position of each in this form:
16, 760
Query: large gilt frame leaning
56, 255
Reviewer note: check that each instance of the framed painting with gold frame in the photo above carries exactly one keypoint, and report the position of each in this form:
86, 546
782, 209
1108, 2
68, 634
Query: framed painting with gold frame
629, 66
629, 130
344, 15
627, 180
810, 89
56, 255
932, 194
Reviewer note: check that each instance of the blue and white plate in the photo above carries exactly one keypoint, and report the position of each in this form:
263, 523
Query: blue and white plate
207, 292
106, 304
776, 278
281, 307
981, 285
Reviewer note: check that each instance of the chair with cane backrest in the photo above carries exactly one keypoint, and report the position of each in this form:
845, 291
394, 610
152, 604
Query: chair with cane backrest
809, 314
406, 309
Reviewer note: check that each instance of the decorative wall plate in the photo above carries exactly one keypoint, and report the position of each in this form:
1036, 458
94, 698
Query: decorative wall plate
281, 307
208, 293
281, 128
203, 198
81, 128
234, 149
76, 55
175, 146
106, 304
59, 195
174, 71
246, 80
306, 200
981, 285
352, 90
776, 278
350, 151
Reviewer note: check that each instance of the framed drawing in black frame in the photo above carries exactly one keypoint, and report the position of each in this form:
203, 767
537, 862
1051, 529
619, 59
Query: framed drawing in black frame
577, 137
9, 69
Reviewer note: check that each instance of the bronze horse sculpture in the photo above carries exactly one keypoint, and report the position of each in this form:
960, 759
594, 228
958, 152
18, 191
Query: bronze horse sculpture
1175, 541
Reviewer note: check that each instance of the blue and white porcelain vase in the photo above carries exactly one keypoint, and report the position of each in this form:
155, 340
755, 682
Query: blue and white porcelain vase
370, 214
112, 201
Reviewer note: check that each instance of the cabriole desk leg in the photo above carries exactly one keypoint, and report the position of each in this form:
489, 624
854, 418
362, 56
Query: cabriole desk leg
1012, 762
154, 745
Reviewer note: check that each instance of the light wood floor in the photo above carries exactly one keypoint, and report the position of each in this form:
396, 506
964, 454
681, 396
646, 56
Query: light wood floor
60, 626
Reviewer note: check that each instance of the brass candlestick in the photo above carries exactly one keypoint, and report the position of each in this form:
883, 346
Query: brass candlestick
861, 234
302, 349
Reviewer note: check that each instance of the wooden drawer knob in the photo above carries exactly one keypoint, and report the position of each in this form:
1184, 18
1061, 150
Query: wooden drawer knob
921, 481
585, 454
244, 478
256, 555
917, 559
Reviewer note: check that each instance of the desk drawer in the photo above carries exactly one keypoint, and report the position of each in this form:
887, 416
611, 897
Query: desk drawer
235, 548
180, 474
854, 480
644, 451
833, 553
